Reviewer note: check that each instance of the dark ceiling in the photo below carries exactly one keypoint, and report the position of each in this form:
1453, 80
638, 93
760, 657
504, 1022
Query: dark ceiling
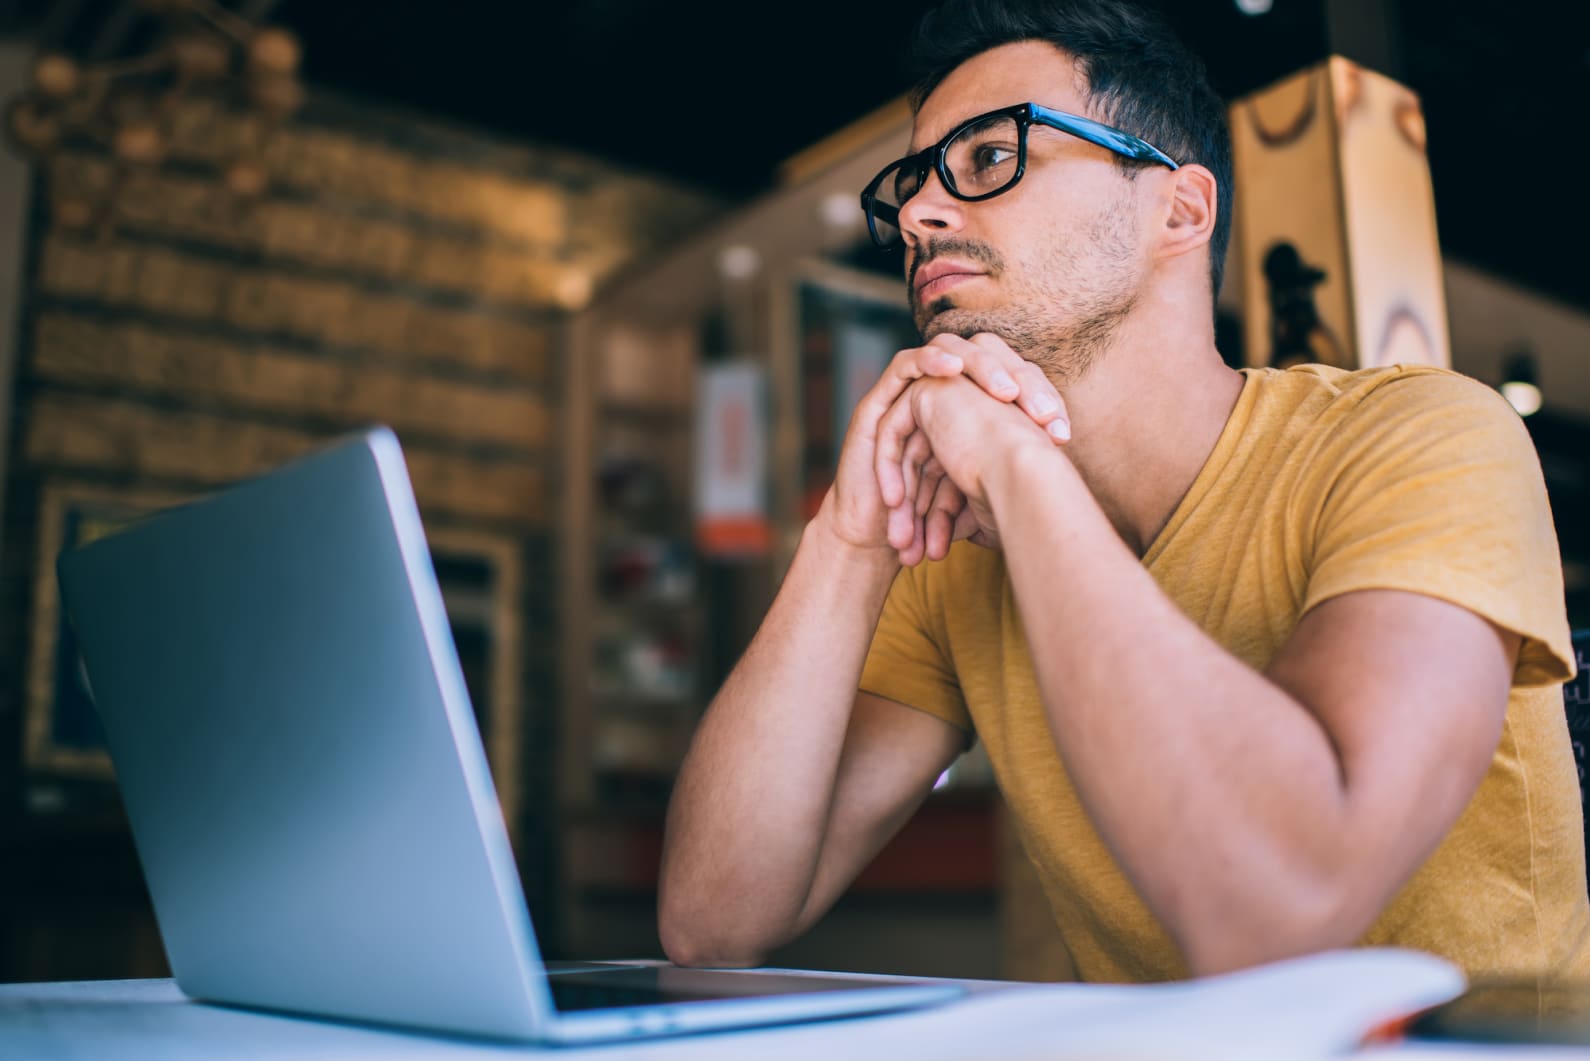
718, 93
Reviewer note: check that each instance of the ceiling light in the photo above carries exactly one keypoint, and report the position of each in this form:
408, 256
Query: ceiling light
739, 262
1255, 7
840, 210
1520, 386
574, 289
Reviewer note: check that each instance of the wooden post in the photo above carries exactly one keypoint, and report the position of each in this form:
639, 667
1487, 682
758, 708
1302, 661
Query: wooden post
1336, 245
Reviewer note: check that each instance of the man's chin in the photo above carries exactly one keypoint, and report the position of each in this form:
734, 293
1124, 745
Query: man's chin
950, 321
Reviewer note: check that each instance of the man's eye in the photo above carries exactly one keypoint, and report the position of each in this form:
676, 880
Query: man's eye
991, 156
905, 185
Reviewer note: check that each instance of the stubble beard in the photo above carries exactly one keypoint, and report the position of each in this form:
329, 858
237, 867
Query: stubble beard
1062, 310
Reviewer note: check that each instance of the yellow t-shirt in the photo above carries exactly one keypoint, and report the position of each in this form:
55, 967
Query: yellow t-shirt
1323, 482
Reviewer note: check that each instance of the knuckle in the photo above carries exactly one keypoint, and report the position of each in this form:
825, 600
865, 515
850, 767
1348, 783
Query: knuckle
905, 365
1035, 379
993, 344
950, 343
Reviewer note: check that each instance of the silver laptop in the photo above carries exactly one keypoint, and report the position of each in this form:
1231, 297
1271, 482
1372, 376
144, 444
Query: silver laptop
307, 789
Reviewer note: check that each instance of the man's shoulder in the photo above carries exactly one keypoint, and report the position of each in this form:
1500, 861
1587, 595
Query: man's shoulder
1403, 381
1383, 395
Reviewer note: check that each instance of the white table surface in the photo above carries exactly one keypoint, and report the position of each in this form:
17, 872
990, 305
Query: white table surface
1308, 1008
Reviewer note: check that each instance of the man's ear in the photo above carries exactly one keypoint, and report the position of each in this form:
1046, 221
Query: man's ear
1194, 203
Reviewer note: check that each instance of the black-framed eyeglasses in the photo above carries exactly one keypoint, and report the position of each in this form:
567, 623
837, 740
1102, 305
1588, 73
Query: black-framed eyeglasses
984, 157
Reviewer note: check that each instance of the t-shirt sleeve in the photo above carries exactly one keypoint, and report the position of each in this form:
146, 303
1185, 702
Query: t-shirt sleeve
1438, 490
908, 662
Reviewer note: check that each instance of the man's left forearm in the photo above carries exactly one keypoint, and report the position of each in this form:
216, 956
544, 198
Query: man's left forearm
1226, 805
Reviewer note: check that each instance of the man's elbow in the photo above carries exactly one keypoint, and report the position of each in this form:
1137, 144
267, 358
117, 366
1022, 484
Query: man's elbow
1318, 917
698, 939
687, 942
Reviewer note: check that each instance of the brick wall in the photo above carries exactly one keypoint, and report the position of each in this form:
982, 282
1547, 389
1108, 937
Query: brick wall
395, 272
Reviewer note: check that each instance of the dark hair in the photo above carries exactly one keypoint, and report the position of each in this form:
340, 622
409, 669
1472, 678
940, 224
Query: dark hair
1141, 78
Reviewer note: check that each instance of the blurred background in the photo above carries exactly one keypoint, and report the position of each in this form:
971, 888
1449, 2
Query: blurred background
601, 266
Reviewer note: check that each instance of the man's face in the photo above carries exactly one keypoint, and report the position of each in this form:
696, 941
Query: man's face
1052, 265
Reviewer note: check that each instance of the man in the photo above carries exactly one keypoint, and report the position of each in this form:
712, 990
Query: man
1266, 662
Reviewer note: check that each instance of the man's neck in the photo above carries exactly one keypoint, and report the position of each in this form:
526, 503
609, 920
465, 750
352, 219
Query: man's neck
1146, 418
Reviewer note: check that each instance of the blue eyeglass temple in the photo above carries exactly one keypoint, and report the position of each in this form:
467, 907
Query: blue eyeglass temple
1122, 143
1106, 136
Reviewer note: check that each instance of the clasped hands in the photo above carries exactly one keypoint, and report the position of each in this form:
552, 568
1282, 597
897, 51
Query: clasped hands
913, 472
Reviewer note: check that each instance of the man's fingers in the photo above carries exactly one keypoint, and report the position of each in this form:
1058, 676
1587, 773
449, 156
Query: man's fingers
917, 452
929, 473
1036, 396
986, 360
916, 550
905, 367
904, 526
967, 527
901, 531
939, 524
984, 366
1041, 401
895, 428
932, 472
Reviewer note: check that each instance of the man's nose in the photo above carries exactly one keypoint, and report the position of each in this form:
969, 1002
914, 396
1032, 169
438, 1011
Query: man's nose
932, 211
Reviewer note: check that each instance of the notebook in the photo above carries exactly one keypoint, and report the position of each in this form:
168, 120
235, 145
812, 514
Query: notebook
307, 789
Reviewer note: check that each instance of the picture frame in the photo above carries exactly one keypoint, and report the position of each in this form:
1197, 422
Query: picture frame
481, 575
61, 732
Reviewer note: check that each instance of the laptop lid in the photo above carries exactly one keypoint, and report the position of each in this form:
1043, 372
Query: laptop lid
297, 755
307, 789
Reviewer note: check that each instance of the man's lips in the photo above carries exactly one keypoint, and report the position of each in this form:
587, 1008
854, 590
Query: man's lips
935, 278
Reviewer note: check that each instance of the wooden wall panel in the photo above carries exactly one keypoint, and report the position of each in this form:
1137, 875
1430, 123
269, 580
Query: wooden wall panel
156, 280
201, 369
333, 165
186, 207
106, 435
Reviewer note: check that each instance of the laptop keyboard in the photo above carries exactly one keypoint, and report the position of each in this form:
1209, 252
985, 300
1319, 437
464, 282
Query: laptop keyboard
601, 996
667, 985
628, 987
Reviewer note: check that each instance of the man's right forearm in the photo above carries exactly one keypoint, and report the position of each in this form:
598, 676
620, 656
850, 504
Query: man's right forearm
751, 805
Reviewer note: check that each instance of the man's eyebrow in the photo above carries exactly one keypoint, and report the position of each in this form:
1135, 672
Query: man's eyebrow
985, 122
